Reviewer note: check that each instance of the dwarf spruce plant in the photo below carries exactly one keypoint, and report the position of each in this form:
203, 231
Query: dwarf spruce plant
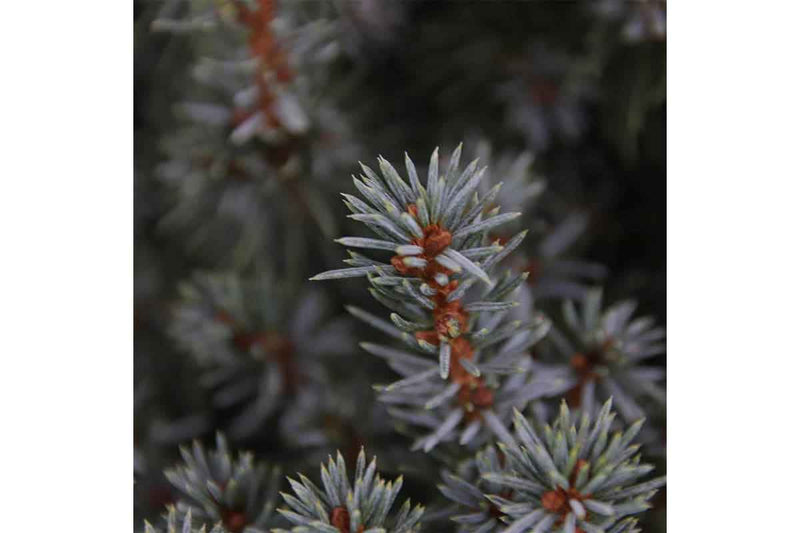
605, 353
238, 493
258, 348
365, 506
463, 363
571, 476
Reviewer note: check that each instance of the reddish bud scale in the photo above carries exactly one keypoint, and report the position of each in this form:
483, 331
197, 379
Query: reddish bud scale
433, 242
431, 337
502, 240
340, 519
234, 521
436, 240
495, 511
578, 465
460, 349
474, 394
534, 270
557, 501
584, 364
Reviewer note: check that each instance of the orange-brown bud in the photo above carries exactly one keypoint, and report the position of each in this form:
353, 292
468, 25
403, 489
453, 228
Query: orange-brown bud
436, 240
340, 519
554, 501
